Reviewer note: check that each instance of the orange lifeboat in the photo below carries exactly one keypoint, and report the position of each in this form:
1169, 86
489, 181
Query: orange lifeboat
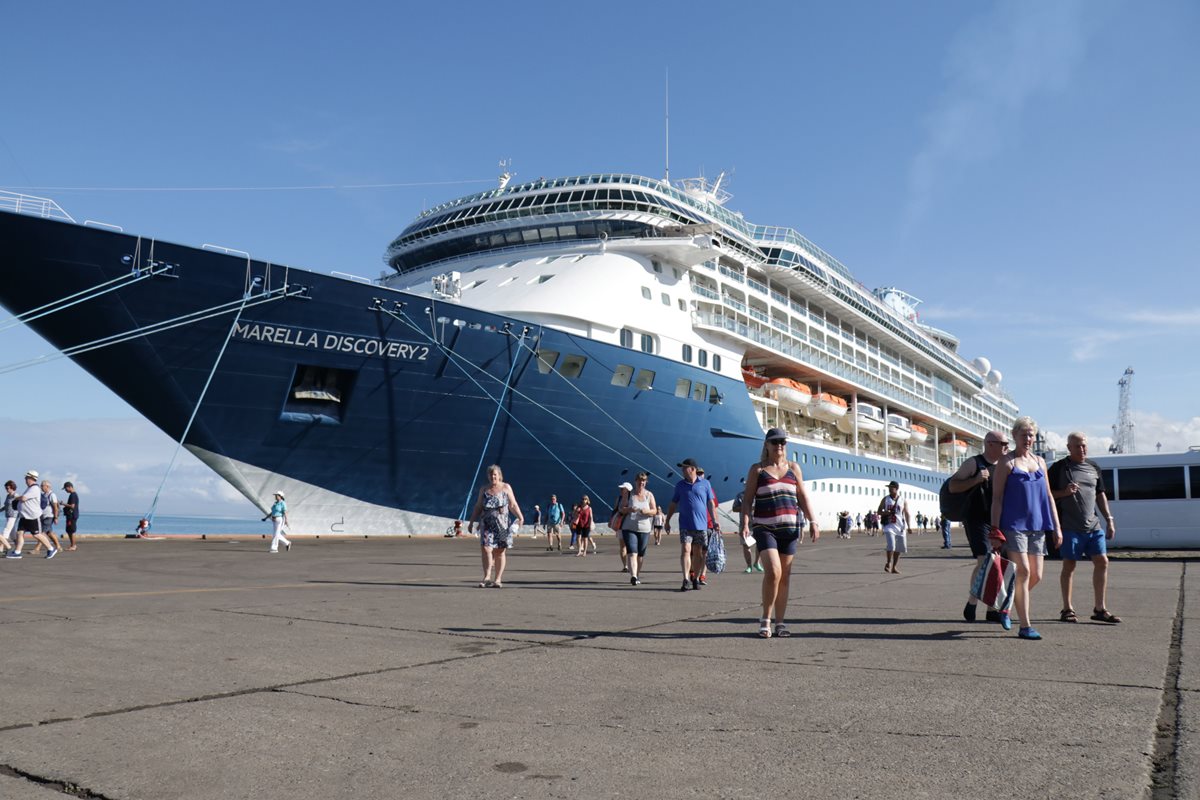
951, 447
789, 393
919, 434
828, 407
751, 378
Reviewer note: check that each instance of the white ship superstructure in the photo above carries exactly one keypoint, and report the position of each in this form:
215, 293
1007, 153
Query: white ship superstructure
667, 269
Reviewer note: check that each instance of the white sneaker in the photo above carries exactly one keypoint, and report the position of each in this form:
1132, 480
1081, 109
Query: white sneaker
272, 551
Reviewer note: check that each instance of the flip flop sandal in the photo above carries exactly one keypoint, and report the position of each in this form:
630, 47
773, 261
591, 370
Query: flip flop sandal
1104, 616
764, 628
1067, 615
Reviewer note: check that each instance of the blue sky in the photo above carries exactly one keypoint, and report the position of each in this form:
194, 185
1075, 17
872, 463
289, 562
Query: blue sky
1028, 169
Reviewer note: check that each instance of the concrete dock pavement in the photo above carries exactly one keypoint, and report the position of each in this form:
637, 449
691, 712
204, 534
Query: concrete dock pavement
376, 669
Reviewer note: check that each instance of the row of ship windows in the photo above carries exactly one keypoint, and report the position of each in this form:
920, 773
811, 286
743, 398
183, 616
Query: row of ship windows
666, 298
867, 491
516, 237
596, 198
624, 375
831, 462
647, 344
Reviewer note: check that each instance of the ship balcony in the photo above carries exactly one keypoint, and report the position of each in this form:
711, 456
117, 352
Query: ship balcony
816, 356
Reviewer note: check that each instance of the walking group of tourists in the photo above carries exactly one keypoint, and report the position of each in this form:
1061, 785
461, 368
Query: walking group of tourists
34, 511
1015, 503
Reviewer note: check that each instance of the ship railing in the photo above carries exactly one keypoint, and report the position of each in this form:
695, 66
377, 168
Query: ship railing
31, 206
816, 355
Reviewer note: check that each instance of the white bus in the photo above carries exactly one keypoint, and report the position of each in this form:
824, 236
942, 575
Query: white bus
1155, 499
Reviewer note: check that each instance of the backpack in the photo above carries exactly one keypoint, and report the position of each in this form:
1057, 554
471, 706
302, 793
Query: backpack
954, 505
887, 516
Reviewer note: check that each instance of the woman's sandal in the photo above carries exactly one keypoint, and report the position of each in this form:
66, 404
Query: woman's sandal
1102, 615
485, 584
764, 628
1067, 615
781, 631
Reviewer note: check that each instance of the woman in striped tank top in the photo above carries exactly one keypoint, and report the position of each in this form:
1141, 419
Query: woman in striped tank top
776, 499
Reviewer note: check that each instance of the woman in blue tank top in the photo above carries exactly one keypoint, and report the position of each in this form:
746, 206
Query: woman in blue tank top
1022, 515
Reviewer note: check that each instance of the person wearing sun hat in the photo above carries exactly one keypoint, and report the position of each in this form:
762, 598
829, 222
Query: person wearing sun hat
278, 517
30, 514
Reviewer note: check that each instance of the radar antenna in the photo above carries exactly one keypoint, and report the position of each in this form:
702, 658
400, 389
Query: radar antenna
505, 175
1123, 430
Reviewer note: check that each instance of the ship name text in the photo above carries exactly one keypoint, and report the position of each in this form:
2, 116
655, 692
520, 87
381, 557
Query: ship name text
331, 342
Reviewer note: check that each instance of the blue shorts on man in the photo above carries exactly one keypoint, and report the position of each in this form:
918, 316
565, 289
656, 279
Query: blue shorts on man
1078, 546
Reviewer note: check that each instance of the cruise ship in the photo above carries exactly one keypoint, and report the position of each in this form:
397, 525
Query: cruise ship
574, 331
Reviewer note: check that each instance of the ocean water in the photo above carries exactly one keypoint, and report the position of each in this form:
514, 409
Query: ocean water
105, 522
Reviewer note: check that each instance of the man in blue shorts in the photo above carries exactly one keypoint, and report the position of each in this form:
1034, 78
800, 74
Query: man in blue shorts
694, 500
554, 520
1077, 486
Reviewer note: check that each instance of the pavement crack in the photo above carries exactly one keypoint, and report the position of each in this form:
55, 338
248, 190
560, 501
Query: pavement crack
63, 787
1164, 775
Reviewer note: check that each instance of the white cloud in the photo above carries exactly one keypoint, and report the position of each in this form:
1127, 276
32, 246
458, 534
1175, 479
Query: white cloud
995, 68
1149, 430
1185, 318
125, 483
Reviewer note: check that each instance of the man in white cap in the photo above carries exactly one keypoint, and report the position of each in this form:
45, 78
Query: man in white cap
30, 513
278, 517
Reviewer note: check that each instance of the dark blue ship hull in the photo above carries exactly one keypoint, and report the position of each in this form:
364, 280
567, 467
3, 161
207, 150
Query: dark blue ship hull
374, 407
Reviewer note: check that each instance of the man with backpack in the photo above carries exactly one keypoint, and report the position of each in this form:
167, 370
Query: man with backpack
49, 502
555, 514
974, 478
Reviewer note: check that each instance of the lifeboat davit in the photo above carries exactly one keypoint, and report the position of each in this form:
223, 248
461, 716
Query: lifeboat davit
919, 434
789, 393
751, 378
870, 420
828, 407
950, 447
899, 428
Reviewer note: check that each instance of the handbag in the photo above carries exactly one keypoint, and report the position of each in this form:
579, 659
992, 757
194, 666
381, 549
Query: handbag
714, 559
993, 584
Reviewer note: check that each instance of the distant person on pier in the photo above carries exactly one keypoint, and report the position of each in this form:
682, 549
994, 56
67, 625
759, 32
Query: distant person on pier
1077, 486
584, 519
975, 476
777, 504
495, 510
572, 523
537, 519
70, 512
694, 500
555, 514
11, 501
1022, 516
893, 514
637, 519
616, 521
50, 511
30, 518
279, 519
